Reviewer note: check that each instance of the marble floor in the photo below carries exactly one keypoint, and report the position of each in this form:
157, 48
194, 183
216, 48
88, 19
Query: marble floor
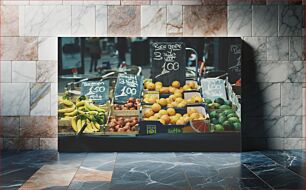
161, 171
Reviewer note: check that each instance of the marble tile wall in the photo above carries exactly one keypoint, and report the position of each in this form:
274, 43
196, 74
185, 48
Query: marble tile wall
273, 53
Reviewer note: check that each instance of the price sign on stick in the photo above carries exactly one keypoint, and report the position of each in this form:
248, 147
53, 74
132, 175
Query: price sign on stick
127, 86
98, 91
168, 62
212, 88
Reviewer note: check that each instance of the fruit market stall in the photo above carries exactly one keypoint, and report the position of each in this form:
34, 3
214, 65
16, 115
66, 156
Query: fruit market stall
122, 109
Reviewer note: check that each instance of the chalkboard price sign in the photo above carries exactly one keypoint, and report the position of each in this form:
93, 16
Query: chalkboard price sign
98, 91
168, 62
234, 60
128, 86
213, 88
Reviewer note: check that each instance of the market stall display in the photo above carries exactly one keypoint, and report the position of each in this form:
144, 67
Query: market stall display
116, 103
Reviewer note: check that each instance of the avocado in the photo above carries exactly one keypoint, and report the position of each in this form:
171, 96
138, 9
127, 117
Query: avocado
227, 112
237, 126
214, 121
222, 114
216, 105
233, 119
225, 107
207, 101
213, 114
228, 102
231, 115
219, 128
227, 125
219, 101
222, 119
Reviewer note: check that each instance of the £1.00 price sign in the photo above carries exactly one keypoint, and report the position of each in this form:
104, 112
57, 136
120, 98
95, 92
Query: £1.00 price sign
168, 62
128, 86
98, 91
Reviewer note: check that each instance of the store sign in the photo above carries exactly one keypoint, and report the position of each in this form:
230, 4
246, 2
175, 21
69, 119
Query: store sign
128, 86
98, 91
168, 62
213, 88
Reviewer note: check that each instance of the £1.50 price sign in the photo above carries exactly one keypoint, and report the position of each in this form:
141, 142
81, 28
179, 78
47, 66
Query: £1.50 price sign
98, 91
168, 62
128, 86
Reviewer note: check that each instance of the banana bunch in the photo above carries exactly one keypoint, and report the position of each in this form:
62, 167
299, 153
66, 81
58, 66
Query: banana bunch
82, 112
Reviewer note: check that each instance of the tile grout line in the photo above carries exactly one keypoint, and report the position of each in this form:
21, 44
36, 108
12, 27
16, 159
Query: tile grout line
110, 184
77, 170
242, 164
184, 173
281, 165
277, 164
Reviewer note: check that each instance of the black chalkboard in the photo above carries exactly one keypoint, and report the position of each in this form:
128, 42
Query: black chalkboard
127, 86
234, 59
168, 62
98, 91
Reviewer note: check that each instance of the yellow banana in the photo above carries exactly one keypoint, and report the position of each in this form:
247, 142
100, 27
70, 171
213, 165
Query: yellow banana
74, 124
93, 112
71, 113
81, 112
65, 101
67, 110
81, 103
79, 125
97, 126
92, 107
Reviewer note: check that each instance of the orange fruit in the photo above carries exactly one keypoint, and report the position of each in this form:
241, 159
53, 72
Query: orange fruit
186, 87
171, 111
152, 100
171, 89
166, 118
178, 115
176, 84
178, 99
192, 84
162, 121
148, 113
180, 122
164, 90
194, 116
163, 112
157, 115
162, 102
178, 94
159, 84
198, 99
173, 120
172, 97
151, 86
156, 107
191, 111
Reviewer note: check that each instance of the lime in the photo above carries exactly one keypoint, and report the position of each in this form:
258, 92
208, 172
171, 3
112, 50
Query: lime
214, 121
233, 120
237, 126
219, 128
219, 101
225, 107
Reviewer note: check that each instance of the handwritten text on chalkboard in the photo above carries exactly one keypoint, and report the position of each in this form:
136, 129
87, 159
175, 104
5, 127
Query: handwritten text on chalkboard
168, 61
96, 90
128, 86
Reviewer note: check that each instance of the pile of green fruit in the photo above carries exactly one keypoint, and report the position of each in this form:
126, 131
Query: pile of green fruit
82, 112
222, 115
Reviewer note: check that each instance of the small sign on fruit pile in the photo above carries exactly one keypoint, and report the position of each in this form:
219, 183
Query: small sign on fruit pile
127, 86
